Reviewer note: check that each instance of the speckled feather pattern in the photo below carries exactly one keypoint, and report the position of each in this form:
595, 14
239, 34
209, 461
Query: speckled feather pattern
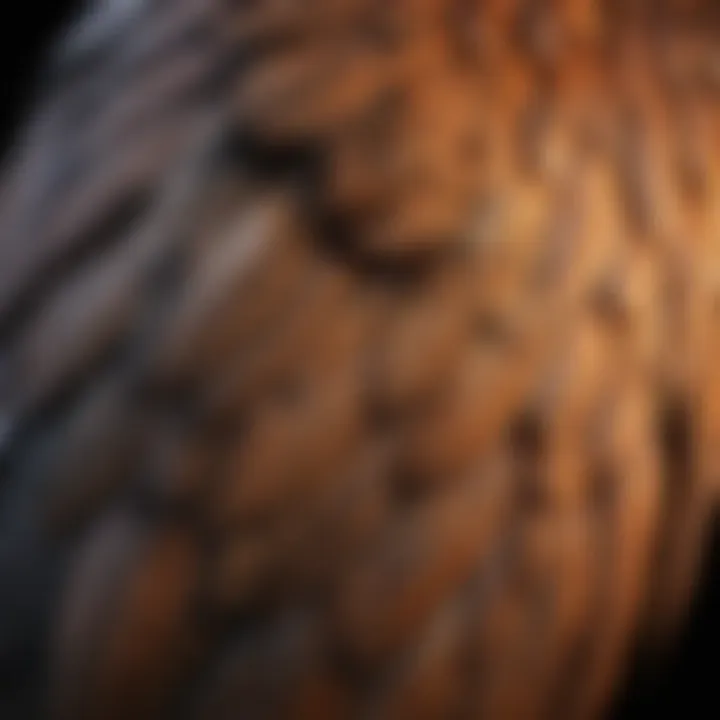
357, 358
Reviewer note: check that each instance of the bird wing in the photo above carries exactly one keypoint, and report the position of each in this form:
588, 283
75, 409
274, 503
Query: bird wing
356, 357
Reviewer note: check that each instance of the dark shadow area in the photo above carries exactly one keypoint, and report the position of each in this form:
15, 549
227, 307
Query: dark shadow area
688, 685
26, 31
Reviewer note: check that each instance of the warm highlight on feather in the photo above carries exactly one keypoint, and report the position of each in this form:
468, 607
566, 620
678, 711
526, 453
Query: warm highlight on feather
357, 357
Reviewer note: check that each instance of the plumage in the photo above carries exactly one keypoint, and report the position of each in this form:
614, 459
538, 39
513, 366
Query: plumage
357, 358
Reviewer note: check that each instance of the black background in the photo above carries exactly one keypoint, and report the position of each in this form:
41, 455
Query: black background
26, 28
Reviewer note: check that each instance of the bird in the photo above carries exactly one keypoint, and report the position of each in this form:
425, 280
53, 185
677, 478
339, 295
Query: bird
357, 358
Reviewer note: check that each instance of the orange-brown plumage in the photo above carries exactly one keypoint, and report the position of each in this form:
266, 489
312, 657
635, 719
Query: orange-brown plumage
358, 357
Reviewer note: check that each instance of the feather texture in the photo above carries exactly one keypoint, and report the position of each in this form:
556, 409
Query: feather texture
357, 358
